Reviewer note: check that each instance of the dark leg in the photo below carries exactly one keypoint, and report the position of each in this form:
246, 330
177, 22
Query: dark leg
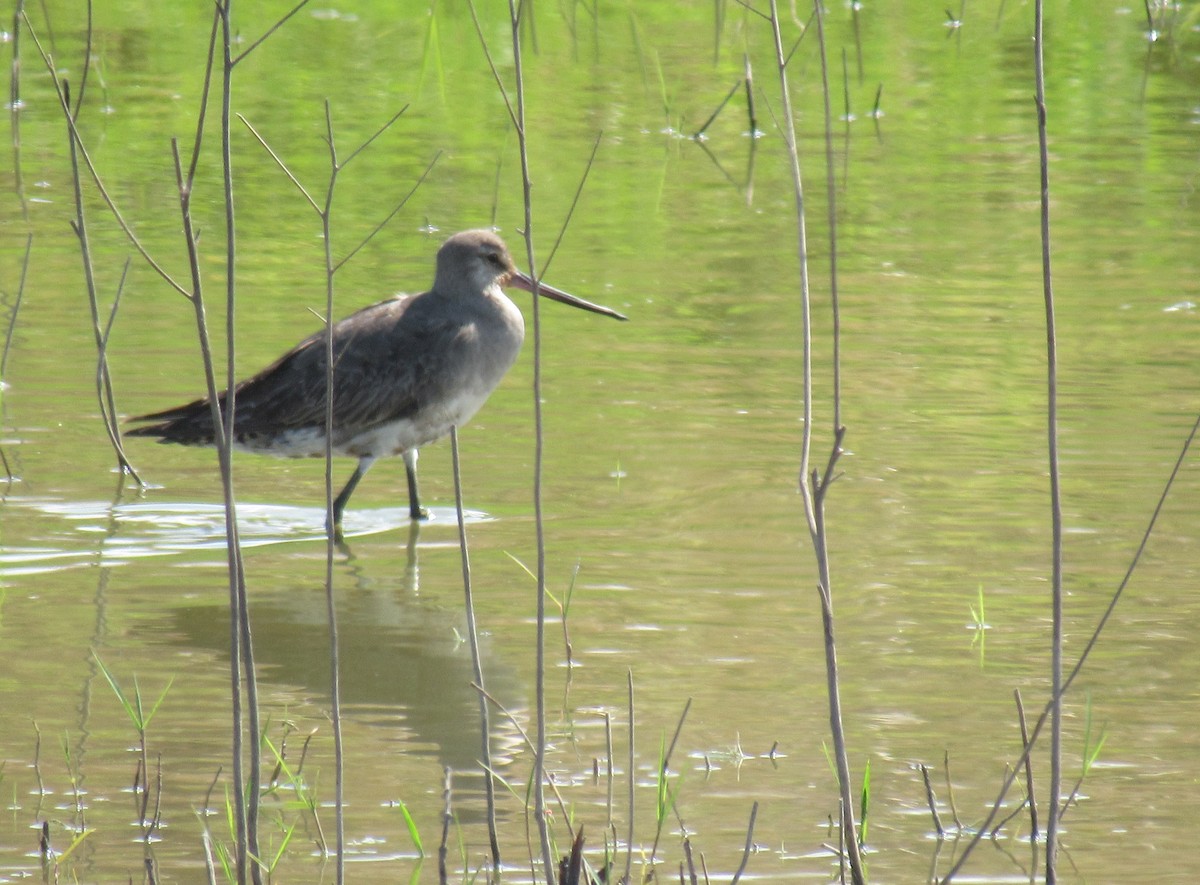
339, 503
415, 510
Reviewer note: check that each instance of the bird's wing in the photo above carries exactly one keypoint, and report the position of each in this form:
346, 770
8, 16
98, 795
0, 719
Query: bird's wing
386, 359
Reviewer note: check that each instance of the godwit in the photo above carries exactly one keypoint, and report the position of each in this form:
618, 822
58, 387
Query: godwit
406, 370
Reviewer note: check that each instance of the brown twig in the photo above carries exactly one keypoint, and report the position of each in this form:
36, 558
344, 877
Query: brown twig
87, 160
699, 133
1091, 644
749, 81
14, 107
632, 775
814, 486
1033, 814
950, 791
1056, 648
447, 820
749, 846
476, 657
929, 797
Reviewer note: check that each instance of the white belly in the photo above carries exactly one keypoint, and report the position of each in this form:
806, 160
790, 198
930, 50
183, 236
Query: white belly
382, 440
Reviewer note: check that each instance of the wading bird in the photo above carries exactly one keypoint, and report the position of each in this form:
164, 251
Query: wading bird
406, 370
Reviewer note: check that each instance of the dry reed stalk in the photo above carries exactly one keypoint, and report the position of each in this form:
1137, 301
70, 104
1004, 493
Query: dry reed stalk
1056, 528
814, 485
1029, 792
476, 658
748, 848
447, 820
929, 797
632, 776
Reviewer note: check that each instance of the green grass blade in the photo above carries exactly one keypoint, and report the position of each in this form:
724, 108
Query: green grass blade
413, 834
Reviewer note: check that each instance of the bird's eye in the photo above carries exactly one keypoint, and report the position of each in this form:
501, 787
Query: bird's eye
495, 259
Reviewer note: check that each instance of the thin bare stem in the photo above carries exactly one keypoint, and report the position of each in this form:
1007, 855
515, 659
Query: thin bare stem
271, 30
513, 113
282, 165
16, 308
1091, 644
699, 133
205, 90
86, 66
574, 203
87, 160
813, 486
950, 791
753, 116
390, 215
476, 658
749, 8
1033, 815
249, 857
15, 105
831, 200
539, 764
224, 455
332, 530
447, 820
632, 778
1056, 647
104, 390
937, 821
749, 845
371, 138
608, 768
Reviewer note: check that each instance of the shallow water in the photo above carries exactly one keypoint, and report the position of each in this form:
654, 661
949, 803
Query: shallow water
672, 441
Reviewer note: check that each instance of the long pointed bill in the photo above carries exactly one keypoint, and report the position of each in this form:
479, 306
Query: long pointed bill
523, 281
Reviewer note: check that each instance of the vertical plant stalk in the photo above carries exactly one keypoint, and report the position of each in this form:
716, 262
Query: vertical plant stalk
236, 574
632, 776
1056, 641
814, 487
325, 214
8, 339
335, 683
476, 659
746, 852
539, 756
1029, 791
14, 108
1015, 770
104, 388
831, 199
241, 638
447, 820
